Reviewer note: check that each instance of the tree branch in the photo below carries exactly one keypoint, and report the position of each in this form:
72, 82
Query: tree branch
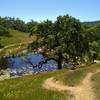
40, 64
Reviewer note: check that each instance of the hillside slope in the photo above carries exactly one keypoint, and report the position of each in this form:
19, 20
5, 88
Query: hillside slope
15, 37
91, 23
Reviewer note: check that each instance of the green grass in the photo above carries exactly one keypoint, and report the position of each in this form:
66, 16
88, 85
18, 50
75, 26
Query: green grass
73, 78
96, 86
15, 38
13, 50
15, 42
30, 88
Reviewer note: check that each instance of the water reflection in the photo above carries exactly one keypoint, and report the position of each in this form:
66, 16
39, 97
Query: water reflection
20, 66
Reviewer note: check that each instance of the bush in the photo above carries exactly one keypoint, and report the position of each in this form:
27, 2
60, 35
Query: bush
3, 31
4, 63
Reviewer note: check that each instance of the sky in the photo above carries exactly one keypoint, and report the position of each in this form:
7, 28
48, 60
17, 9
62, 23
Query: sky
39, 10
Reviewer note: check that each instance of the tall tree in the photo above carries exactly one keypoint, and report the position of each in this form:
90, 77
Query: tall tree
62, 40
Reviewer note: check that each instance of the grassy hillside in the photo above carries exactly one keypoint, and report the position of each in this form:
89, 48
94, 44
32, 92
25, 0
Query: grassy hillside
15, 37
30, 87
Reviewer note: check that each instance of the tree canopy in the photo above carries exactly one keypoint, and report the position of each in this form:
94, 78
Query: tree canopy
66, 40
14, 23
62, 40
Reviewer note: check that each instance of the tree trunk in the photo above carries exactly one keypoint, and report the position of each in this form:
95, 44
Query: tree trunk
59, 64
93, 58
59, 61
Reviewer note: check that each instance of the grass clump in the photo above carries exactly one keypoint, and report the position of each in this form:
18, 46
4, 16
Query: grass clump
96, 85
74, 77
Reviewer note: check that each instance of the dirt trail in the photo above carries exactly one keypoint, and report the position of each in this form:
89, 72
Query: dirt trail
81, 92
21, 43
11, 45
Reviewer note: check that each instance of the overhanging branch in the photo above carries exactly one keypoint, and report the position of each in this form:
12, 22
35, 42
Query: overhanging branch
40, 64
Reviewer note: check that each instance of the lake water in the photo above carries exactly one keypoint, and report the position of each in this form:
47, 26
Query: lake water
19, 65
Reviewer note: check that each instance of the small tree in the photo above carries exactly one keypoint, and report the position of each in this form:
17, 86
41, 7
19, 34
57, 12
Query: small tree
94, 50
93, 37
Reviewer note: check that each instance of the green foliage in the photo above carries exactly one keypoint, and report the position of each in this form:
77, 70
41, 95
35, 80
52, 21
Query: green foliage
64, 38
4, 31
1, 46
93, 33
93, 37
3, 63
20, 25
14, 23
94, 47
42, 28
32, 26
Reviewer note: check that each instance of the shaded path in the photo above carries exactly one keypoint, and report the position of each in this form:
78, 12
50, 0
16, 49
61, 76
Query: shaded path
81, 92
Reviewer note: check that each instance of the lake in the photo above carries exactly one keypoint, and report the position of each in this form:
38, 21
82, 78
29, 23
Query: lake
19, 66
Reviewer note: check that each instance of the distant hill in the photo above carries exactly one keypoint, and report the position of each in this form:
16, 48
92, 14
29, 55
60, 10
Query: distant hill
91, 23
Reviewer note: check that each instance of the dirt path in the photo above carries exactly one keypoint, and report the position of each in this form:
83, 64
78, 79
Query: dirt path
81, 92
11, 45
3, 51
